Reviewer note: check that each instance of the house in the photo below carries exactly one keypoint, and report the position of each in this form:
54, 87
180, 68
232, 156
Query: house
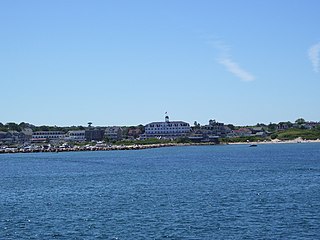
259, 132
113, 133
27, 134
311, 125
134, 133
215, 128
199, 136
282, 126
242, 132
5, 137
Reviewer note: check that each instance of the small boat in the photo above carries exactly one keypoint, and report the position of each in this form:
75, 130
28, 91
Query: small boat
253, 145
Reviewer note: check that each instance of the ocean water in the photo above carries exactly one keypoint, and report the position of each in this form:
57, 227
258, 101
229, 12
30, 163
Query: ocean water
203, 192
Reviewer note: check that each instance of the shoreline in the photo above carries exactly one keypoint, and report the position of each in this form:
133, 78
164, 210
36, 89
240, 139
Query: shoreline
147, 146
99, 148
277, 141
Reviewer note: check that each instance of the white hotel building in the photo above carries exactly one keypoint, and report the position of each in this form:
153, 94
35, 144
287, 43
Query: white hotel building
167, 129
48, 135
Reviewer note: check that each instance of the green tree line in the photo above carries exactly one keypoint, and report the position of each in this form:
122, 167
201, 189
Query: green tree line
11, 126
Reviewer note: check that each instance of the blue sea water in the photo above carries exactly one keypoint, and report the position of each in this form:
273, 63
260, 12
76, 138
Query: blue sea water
202, 192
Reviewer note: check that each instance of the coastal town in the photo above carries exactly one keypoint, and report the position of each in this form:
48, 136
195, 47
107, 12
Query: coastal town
25, 137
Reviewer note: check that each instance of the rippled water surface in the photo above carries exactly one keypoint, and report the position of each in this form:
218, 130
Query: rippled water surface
209, 192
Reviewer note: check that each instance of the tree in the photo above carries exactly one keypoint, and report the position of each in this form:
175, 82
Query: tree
141, 127
272, 126
261, 125
44, 128
300, 121
3, 128
81, 128
212, 122
23, 125
125, 131
13, 127
231, 126
290, 124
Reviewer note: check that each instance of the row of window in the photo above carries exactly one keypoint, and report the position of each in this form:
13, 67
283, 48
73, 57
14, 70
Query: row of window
164, 128
46, 136
47, 133
163, 131
169, 124
77, 134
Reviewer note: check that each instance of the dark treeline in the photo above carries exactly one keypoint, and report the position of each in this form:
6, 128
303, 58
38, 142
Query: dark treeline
11, 126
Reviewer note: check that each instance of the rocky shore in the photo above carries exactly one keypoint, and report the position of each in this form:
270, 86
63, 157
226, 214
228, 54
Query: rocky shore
95, 148
58, 149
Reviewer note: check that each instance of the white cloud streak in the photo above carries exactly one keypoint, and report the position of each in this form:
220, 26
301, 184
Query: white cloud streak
233, 67
314, 56
236, 70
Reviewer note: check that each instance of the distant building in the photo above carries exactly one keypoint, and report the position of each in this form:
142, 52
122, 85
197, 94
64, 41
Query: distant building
259, 132
77, 136
199, 135
311, 125
134, 133
2, 134
215, 128
5, 138
242, 132
167, 129
12, 137
94, 135
113, 133
48, 136
282, 126
27, 134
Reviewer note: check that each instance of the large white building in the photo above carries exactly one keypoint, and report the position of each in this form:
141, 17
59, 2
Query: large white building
48, 135
167, 129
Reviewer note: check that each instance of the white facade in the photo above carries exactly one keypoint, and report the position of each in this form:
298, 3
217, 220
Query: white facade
78, 136
167, 129
50, 135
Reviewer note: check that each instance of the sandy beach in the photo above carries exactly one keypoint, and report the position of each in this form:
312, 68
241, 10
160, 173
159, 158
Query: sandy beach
278, 141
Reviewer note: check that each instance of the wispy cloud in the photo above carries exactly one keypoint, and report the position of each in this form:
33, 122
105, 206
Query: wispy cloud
232, 66
314, 56
236, 70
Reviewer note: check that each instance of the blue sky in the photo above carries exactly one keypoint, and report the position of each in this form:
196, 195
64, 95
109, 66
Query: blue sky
128, 62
